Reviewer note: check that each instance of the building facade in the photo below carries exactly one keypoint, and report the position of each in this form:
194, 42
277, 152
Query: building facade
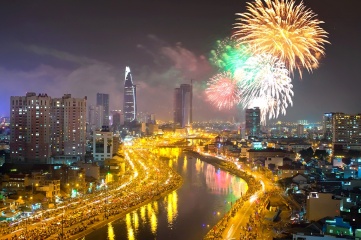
103, 100
116, 120
300, 131
69, 126
30, 121
95, 117
321, 205
42, 127
130, 98
346, 130
102, 145
183, 97
327, 125
253, 122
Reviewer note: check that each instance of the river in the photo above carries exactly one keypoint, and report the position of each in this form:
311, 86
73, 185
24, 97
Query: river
185, 214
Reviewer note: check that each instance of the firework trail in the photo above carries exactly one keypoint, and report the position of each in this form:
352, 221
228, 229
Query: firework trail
284, 29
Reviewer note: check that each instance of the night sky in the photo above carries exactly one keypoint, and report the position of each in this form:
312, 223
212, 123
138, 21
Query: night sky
82, 47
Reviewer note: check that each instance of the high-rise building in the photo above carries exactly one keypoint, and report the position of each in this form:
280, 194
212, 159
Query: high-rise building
103, 100
346, 129
300, 131
30, 121
69, 126
253, 122
130, 98
95, 117
41, 127
327, 125
183, 105
116, 119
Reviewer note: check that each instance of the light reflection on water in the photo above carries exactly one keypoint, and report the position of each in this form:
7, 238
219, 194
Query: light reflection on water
111, 235
221, 182
153, 223
185, 161
199, 165
179, 215
172, 208
142, 213
135, 221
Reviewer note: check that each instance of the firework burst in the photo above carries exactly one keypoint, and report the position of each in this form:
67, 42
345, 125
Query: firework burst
223, 91
229, 55
284, 29
264, 81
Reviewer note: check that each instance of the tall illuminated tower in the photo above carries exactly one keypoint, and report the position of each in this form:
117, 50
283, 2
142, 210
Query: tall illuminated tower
183, 105
327, 125
253, 122
130, 96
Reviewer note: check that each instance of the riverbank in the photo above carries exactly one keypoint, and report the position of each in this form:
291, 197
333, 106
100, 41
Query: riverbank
231, 168
254, 186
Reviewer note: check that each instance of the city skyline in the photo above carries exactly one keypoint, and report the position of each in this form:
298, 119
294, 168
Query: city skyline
166, 44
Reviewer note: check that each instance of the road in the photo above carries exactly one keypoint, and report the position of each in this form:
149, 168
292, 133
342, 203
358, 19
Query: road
150, 177
238, 226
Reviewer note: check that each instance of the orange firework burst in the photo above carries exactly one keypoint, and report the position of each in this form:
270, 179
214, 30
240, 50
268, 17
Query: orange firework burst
287, 30
223, 91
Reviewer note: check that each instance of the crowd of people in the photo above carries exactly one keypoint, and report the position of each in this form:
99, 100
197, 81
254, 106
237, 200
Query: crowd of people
71, 220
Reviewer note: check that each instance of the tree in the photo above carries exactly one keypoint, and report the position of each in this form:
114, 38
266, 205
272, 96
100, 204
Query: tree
320, 154
306, 153
353, 154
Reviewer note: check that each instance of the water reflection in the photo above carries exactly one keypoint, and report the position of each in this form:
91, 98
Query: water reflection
199, 165
142, 213
172, 208
221, 182
187, 213
185, 160
153, 222
130, 231
111, 235
135, 221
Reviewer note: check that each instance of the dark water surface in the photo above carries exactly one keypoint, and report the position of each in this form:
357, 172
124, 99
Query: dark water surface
185, 214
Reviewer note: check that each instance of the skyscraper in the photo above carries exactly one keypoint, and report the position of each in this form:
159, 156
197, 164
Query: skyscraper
30, 121
68, 126
183, 105
42, 127
95, 117
327, 125
253, 122
116, 119
103, 100
346, 130
130, 96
